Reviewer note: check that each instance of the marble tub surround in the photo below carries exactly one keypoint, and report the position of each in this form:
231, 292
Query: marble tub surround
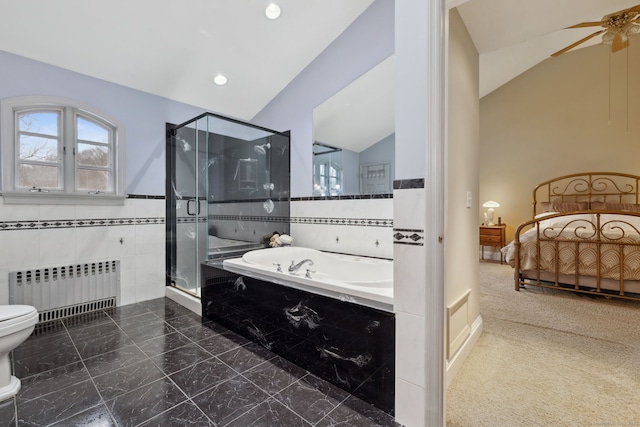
347, 344
156, 363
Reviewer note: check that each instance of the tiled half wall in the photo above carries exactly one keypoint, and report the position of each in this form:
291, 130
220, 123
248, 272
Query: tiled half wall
36, 236
352, 225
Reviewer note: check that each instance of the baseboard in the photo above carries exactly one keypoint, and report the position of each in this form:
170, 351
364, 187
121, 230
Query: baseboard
455, 363
184, 299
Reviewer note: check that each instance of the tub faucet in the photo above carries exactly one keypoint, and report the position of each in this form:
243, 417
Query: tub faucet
293, 268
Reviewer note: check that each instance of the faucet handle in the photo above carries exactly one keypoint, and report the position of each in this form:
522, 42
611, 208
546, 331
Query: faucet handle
308, 275
279, 269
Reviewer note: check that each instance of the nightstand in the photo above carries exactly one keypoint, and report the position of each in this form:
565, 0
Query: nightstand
493, 236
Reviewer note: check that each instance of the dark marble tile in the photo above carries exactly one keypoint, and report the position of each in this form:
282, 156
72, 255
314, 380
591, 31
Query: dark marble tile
95, 345
43, 353
142, 328
165, 308
146, 402
80, 333
125, 311
229, 400
123, 380
85, 320
164, 343
269, 413
354, 412
49, 381
58, 405
186, 321
97, 416
140, 318
275, 375
198, 333
113, 360
175, 360
223, 342
184, 415
246, 357
312, 398
8, 413
202, 376
48, 328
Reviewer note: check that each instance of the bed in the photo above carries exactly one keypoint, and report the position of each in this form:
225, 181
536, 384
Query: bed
584, 236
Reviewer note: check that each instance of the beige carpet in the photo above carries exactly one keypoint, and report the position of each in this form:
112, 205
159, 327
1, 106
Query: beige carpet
548, 358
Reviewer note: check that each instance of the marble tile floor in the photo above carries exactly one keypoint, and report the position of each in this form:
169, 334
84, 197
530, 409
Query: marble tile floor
156, 363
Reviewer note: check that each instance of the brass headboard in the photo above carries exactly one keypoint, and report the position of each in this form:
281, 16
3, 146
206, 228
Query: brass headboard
588, 187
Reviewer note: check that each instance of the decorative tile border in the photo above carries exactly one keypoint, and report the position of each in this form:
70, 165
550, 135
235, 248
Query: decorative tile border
354, 222
412, 237
345, 197
145, 196
76, 223
249, 218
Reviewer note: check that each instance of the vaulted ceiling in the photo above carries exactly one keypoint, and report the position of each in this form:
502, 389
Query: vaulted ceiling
174, 49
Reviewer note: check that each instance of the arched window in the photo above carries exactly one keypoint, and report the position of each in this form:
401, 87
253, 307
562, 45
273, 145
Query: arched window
57, 151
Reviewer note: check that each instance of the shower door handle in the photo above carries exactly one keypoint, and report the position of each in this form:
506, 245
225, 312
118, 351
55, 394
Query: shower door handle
197, 201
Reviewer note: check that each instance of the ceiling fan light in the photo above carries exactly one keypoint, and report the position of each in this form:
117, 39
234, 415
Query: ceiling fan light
607, 38
631, 30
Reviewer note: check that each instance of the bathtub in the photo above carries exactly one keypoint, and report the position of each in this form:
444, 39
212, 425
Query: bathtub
360, 280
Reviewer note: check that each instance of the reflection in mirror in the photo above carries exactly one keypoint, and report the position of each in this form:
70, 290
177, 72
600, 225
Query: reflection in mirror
327, 170
359, 121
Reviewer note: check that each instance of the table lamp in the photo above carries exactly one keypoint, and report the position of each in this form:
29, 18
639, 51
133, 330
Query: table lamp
488, 215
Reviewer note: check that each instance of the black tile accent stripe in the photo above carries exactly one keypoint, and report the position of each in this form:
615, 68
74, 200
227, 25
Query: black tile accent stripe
354, 222
77, 223
404, 236
406, 184
346, 197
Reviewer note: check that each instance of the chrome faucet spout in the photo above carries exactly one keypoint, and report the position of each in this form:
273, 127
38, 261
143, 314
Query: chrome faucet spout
293, 268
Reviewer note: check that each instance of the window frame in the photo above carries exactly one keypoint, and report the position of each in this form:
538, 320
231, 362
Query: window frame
68, 193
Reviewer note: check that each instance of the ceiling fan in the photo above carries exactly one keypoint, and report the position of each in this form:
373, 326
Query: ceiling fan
618, 28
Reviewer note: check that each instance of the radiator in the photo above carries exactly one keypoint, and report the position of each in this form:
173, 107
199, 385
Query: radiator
58, 292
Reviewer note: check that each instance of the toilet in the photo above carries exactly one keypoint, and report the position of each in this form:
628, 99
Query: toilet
16, 324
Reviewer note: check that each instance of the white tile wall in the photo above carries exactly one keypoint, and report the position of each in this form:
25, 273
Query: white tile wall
349, 239
141, 253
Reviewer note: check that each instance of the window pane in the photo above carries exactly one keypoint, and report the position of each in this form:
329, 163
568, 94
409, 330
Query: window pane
38, 149
90, 131
93, 180
37, 176
93, 155
42, 122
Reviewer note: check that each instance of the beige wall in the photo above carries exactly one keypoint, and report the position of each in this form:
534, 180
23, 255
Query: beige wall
461, 227
566, 115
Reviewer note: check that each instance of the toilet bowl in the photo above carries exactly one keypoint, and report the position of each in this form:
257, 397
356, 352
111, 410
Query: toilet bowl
16, 324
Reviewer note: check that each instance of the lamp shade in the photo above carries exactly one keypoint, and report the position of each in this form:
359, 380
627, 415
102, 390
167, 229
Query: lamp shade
491, 204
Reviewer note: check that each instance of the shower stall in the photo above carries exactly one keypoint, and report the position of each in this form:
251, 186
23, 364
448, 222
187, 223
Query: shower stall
227, 193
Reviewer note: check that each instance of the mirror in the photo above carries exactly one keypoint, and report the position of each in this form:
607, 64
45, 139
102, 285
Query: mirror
354, 136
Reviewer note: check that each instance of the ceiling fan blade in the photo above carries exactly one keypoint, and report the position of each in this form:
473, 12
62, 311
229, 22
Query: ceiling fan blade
634, 9
586, 24
571, 46
619, 43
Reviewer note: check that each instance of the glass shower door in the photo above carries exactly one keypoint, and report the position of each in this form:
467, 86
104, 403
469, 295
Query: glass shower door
187, 200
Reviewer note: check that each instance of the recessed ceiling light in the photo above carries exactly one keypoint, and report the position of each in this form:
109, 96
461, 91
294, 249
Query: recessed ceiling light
220, 80
273, 11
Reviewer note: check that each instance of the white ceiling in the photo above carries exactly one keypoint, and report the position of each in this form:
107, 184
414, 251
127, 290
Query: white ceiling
174, 48
513, 36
